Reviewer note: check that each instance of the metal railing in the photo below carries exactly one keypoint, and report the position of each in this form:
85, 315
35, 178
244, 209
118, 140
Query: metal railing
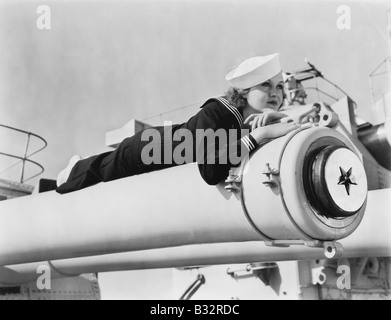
318, 87
380, 87
25, 158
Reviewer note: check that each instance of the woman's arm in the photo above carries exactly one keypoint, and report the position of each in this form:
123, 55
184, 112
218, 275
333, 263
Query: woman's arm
216, 159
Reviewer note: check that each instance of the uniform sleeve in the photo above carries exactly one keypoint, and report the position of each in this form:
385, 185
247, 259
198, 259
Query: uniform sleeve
216, 159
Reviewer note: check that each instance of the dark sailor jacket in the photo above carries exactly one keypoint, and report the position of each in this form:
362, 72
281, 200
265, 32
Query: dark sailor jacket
214, 156
167, 146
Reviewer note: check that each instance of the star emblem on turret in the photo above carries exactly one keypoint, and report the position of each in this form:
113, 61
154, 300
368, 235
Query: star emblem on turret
345, 179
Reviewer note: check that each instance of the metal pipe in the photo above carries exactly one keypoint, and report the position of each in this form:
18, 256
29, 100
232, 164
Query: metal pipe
25, 156
143, 212
52, 226
21, 159
31, 134
362, 243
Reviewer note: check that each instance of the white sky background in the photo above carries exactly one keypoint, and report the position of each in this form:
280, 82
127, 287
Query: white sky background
105, 62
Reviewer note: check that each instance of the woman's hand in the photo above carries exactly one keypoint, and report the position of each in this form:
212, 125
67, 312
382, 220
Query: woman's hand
273, 131
265, 118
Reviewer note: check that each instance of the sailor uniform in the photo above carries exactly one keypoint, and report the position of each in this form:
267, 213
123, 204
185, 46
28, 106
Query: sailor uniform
215, 114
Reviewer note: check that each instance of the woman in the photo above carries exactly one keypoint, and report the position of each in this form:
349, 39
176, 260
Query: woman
248, 112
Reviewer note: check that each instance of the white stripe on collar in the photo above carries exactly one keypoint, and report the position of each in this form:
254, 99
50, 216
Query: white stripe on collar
234, 110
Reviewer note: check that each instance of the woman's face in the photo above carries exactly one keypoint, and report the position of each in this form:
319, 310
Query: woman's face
268, 94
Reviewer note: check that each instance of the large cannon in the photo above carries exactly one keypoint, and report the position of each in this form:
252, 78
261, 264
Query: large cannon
308, 187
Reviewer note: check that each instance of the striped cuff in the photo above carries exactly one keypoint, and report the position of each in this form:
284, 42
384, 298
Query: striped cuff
249, 142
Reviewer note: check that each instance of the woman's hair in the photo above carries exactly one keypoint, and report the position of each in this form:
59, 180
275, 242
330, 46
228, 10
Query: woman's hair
236, 97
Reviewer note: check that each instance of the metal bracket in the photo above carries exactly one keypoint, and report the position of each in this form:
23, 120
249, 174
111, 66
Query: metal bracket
331, 249
234, 182
251, 270
200, 281
318, 114
303, 114
272, 176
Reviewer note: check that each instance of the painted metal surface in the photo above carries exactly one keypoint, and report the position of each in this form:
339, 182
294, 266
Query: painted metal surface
113, 217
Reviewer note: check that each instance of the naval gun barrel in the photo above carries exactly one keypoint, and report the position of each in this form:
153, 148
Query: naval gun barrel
356, 245
308, 185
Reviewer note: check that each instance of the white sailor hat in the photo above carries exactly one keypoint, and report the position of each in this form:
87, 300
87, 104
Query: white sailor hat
254, 71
